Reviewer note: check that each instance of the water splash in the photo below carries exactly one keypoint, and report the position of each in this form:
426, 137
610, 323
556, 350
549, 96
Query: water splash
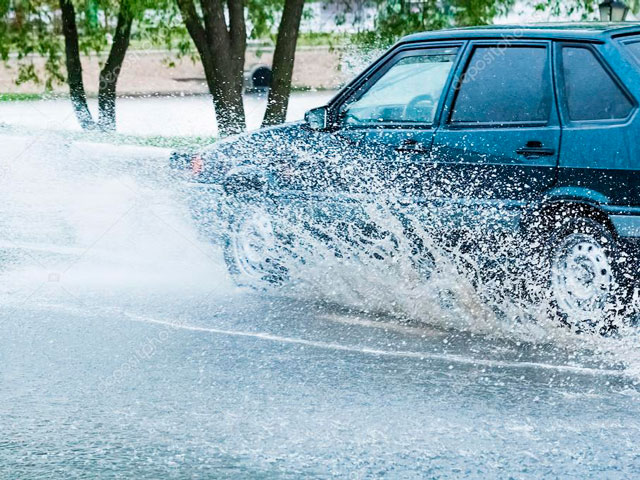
111, 223
384, 264
81, 217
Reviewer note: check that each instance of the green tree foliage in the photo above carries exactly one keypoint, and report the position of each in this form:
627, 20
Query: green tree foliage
34, 27
26, 28
397, 18
59, 31
213, 31
587, 9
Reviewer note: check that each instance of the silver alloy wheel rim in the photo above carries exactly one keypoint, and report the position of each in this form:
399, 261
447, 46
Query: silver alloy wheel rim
253, 243
581, 278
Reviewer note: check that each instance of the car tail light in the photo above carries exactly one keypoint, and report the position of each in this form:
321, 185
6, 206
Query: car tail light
197, 164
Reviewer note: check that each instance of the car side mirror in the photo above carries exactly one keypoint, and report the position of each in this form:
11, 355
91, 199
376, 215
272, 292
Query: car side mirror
317, 118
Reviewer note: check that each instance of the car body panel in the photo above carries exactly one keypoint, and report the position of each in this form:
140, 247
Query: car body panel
599, 155
483, 163
627, 226
331, 171
598, 32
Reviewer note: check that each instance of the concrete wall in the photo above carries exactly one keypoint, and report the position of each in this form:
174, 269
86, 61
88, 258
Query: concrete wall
146, 72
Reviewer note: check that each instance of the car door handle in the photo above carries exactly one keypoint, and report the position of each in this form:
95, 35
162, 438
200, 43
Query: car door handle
412, 146
535, 149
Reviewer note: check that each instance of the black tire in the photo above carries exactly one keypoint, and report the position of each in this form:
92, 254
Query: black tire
253, 251
585, 276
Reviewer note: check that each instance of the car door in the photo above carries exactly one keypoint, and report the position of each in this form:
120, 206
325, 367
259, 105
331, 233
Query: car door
384, 127
500, 134
380, 144
598, 158
389, 122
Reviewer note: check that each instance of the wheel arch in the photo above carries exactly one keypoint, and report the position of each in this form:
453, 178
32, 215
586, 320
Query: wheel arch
551, 214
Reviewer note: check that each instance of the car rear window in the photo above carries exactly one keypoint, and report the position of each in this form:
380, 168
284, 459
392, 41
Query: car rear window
634, 48
590, 92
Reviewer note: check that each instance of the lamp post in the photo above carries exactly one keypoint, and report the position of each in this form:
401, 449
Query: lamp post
613, 11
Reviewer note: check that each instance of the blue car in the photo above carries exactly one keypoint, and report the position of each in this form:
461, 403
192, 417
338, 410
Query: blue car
507, 130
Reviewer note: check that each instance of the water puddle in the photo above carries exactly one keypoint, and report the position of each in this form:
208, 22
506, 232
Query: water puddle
98, 224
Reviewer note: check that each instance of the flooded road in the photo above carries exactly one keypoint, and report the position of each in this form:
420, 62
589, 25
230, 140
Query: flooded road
162, 115
243, 386
126, 351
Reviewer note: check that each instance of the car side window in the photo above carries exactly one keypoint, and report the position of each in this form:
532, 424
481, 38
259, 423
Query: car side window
504, 85
409, 92
634, 49
590, 93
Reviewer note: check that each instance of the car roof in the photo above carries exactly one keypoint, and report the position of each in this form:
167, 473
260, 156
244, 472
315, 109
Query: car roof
585, 31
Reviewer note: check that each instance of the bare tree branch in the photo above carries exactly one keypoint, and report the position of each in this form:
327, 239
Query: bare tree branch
194, 25
112, 68
237, 29
74, 65
216, 27
283, 60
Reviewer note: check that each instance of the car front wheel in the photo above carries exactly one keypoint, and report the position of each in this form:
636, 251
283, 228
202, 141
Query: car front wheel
252, 251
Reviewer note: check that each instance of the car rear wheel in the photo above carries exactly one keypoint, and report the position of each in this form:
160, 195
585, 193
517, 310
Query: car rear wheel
585, 278
252, 251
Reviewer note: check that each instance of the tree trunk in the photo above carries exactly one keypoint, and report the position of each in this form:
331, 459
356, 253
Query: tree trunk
283, 60
74, 66
112, 68
227, 99
222, 52
236, 120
